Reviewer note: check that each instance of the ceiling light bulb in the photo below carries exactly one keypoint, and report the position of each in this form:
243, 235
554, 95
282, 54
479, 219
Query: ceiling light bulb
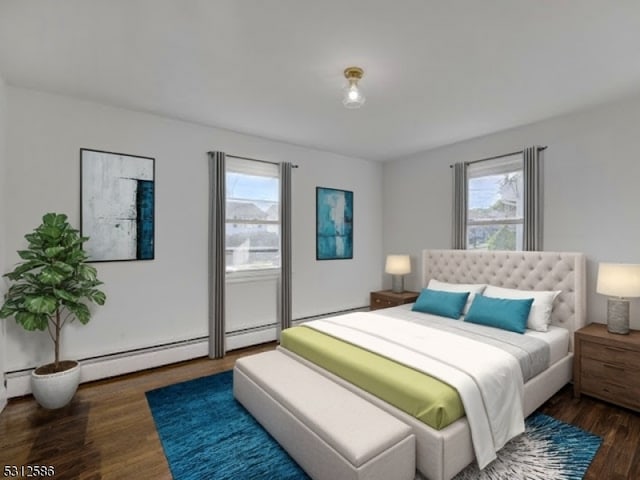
354, 94
353, 97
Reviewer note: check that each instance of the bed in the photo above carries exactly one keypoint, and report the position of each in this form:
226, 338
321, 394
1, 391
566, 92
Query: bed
443, 451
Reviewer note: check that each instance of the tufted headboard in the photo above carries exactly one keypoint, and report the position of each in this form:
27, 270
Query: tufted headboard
523, 270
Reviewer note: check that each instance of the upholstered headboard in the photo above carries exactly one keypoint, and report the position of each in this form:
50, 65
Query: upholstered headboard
563, 271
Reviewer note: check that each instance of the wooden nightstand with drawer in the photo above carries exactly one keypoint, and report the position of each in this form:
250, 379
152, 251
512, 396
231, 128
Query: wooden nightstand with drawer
606, 365
387, 298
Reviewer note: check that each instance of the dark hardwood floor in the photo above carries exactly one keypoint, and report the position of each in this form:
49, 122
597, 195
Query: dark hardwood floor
619, 455
107, 432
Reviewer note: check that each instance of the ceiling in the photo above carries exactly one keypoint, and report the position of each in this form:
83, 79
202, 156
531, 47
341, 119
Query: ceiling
436, 71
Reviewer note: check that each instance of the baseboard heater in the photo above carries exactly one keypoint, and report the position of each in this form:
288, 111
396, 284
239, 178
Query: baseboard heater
96, 368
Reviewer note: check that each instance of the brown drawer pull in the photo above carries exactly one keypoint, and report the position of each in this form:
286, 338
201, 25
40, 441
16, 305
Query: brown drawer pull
377, 300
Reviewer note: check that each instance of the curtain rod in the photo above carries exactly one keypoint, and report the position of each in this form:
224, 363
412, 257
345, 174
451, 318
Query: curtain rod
257, 160
499, 156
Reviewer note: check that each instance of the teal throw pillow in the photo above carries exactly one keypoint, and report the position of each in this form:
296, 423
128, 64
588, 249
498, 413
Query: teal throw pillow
503, 313
437, 302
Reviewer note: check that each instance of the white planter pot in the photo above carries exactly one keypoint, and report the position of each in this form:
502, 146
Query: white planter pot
55, 390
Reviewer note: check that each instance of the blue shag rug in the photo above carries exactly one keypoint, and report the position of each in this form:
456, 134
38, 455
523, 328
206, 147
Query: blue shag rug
207, 435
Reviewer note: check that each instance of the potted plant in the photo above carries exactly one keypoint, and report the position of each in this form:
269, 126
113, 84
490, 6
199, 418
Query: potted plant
50, 288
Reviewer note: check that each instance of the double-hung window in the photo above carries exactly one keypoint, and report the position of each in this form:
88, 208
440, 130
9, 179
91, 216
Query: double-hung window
495, 204
252, 217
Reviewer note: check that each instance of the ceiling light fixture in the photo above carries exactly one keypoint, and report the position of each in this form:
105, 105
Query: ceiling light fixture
353, 97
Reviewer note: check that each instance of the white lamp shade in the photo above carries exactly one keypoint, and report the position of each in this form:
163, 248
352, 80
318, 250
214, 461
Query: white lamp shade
398, 264
619, 280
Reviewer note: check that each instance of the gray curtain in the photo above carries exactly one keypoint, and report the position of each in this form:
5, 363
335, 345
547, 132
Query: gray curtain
532, 231
217, 264
459, 234
285, 246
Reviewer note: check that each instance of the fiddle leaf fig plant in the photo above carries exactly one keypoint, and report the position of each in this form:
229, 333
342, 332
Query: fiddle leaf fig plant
53, 283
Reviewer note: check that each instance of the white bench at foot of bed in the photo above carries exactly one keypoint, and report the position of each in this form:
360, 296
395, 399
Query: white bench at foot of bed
330, 432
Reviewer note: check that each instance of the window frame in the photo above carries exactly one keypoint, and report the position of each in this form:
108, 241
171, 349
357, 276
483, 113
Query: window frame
253, 168
500, 165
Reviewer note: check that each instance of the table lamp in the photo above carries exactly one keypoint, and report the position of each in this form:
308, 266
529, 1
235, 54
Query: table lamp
398, 266
620, 281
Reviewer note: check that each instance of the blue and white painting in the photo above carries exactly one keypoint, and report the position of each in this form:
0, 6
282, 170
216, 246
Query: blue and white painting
334, 224
118, 206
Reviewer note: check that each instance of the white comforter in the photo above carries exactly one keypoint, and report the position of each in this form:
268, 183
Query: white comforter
488, 380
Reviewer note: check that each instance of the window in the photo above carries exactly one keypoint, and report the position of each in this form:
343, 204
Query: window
495, 204
252, 216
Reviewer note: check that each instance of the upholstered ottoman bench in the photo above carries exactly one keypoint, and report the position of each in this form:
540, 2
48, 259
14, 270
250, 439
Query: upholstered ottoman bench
330, 432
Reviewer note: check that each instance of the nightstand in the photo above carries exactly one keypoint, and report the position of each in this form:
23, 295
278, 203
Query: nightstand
606, 365
387, 298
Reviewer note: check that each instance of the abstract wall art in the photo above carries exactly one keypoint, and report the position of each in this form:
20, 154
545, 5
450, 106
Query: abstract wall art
117, 205
334, 224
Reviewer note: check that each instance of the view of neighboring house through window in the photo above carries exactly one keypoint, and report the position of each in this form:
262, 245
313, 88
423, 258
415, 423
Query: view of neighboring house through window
252, 216
495, 204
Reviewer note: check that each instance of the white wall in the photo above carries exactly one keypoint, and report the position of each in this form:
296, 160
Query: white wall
3, 199
165, 300
591, 190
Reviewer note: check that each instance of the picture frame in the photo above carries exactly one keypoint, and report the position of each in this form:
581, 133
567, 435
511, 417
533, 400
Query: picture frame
334, 224
117, 201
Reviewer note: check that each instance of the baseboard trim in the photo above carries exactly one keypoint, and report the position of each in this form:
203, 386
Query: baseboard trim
251, 337
97, 368
19, 383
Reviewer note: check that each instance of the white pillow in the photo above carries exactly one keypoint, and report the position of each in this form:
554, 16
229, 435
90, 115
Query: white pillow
473, 289
540, 314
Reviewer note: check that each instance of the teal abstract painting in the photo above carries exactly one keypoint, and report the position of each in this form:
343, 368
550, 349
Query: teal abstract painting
117, 199
334, 224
